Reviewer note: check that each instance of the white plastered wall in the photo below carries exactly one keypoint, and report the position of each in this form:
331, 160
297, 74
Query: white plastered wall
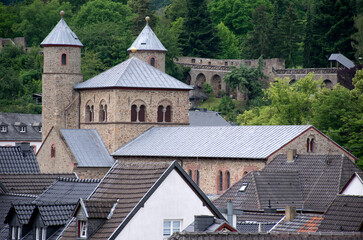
355, 187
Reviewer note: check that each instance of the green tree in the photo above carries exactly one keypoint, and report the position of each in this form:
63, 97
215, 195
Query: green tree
308, 38
7, 19
198, 37
229, 42
91, 64
227, 108
357, 44
248, 81
177, 9
142, 9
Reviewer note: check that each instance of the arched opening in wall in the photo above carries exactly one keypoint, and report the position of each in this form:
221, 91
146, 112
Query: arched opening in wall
328, 84
52, 151
310, 144
220, 181
292, 81
160, 113
245, 173
142, 113
228, 179
197, 177
152, 62
64, 59
188, 79
217, 84
190, 173
133, 113
102, 113
92, 115
168, 114
200, 80
89, 113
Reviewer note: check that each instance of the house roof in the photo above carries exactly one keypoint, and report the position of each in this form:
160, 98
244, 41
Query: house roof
215, 142
61, 35
14, 159
131, 184
300, 223
216, 225
54, 214
316, 178
341, 59
97, 208
147, 40
344, 214
264, 236
133, 73
22, 210
204, 117
259, 217
70, 189
87, 147
31, 121
30, 183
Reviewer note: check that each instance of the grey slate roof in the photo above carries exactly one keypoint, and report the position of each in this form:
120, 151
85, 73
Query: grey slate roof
55, 214
15, 160
62, 35
301, 223
320, 178
30, 183
206, 118
98, 208
87, 147
31, 121
147, 40
342, 60
253, 142
70, 190
344, 214
133, 73
254, 227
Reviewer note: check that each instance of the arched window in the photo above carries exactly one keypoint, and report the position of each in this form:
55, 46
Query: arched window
310, 144
64, 59
52, 151
133, 113
168, 114
190, 173
228, 179
142, 113
92, 114
89, 115
152, 62
220, 181
160, 113
197, 177
103, 113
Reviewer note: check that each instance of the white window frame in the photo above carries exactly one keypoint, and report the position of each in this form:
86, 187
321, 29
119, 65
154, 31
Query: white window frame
83, 228
172, 229
19, 233
4, 129
44, 233
37, 233
13, 234
23, 129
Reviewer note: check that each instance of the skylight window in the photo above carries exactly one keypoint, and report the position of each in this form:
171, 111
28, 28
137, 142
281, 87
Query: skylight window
243, 187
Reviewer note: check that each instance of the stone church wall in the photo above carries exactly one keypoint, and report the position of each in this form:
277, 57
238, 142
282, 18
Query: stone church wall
147, 55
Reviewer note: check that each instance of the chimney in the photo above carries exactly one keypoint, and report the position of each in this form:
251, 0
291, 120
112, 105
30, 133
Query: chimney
230, 212
290, 213
201, 223
291, 153
24, 147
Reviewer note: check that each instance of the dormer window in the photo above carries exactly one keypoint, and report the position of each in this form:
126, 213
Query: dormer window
3, 129
22, 129
40, 233
82, 229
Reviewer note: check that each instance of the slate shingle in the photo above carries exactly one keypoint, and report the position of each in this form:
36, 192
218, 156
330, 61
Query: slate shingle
15, 160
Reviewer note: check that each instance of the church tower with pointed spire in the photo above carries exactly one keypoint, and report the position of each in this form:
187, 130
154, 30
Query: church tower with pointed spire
148, 48
61, 71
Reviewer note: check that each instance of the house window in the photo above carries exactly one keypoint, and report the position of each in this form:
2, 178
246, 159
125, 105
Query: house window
19, 232
197, 177
64, 59
82, 229
103, 113
52, 151
160, 113
168, 114
3, 129
40, 233
171, 226
142, 113
191, 174
23, 129
133, 113
193, 60
13, 233
310, 144
220, 181
228, 179
152, 62
89, 113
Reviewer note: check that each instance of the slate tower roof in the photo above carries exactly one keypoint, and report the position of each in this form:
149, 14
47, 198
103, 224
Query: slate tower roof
62, 35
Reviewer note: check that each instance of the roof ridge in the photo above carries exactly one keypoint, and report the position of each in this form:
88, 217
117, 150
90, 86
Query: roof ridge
67, 179
257, 194
19, 194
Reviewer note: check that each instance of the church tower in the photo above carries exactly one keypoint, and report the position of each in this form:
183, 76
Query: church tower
148, 48
61, 71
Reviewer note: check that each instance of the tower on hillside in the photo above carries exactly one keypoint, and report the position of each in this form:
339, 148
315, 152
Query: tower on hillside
61, 71
149, 48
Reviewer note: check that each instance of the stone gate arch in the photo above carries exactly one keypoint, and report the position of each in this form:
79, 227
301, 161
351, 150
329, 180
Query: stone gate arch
216, 84
200, 80
188, 79
328, 84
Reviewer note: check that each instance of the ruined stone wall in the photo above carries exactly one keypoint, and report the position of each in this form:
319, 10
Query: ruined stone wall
62, 162
321, 145
209, 169
147, 55
59, 103
118, 128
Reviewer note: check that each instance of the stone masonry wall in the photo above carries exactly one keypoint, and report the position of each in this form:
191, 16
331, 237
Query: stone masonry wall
209, 169
322, 145
118, 128
147, 55
62, 163
91, 173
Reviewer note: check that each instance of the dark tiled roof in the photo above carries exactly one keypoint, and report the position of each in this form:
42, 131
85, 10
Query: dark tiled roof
70, 190
29, 183
265, 236
14, 160
22, 210
206, 118
301, 223
31, 121
344, 214
259, 217
321, 178
254, 227
98, 208
56, 214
